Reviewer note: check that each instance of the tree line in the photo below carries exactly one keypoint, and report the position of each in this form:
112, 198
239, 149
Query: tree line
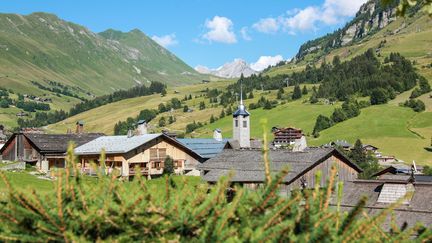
40, 119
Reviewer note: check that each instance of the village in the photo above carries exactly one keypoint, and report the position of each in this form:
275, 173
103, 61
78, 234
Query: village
213, 158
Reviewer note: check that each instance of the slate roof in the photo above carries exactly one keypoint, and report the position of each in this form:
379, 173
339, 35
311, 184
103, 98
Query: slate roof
241, 111
342, 143
418, 208
115, 144
248, 165
58, 143
205, 147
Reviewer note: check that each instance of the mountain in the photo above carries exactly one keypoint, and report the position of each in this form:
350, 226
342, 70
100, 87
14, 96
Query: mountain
371, 18
42, 47
232, 69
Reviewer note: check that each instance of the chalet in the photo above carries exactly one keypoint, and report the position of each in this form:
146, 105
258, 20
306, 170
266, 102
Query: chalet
248, 167
46, 151
147, 151
382, 193
367, 148
286, 135
289, 137
343, 144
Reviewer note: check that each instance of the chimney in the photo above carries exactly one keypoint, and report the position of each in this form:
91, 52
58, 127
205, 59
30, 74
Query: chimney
142, 127
217, 135
129, 133
79, 127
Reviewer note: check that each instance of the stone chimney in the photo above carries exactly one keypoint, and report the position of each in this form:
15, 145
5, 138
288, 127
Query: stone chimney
142, 127
130, 133
79, 127
217, 135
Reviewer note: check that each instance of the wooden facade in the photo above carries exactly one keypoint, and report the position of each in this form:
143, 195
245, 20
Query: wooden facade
46, 151
149, 158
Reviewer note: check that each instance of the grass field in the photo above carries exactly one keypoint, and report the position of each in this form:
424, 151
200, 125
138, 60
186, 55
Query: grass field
103, 119
25, 182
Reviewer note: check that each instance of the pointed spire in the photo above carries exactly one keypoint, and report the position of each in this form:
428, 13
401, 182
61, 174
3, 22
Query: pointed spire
241, 92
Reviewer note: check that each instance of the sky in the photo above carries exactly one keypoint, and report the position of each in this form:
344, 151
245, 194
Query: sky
208, 32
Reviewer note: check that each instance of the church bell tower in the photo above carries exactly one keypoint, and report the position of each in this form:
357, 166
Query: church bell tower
241, 123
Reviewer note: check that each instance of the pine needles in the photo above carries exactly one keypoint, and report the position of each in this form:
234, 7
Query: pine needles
106, 209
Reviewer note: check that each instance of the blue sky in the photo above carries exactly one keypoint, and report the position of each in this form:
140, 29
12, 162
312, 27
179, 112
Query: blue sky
205, 32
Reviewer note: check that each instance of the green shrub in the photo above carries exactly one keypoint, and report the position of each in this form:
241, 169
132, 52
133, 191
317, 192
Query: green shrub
82, 210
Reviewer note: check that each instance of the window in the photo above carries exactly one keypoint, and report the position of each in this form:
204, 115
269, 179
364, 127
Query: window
157, 153
178, 164
157, 165
244, 123
236, 122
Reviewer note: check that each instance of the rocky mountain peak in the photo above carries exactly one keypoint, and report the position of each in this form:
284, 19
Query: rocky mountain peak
232, 69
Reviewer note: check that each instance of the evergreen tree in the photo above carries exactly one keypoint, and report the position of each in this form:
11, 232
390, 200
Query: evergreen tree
185, 108
305, 90
162, 108
171, 120
280, 93
358, 154
313, 99
177, 209
297, 94
338, 115
202, 105
378, 96
229, 111
212, 119
415, 93
322, 123
251, 95
267, 105
190, 96
168, 166
222, 114
162, 122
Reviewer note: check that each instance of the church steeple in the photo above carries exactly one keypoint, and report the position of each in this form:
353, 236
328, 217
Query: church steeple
241, 122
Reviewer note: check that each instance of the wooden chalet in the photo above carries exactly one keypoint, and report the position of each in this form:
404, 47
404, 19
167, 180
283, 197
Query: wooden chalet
46, 151
146, 152
286, 135
248, 167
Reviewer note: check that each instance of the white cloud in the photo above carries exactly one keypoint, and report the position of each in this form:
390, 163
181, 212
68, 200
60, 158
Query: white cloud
331, 12
267, 25
166, 40
220, 29
265, 61
303, 20
244, 33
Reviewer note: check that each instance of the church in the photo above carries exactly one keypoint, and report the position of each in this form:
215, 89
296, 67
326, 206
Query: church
246, 161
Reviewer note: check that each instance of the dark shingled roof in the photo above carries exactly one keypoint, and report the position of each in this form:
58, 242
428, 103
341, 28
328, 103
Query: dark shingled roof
241, 111
419, 208
58, 143
248, 165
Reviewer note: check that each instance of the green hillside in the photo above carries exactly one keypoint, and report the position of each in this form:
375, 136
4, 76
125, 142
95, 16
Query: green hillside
45, 49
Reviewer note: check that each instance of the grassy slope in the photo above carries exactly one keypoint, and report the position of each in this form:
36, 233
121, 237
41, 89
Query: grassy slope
388, 126
43, 47
25, 182
103, 119
397, 131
